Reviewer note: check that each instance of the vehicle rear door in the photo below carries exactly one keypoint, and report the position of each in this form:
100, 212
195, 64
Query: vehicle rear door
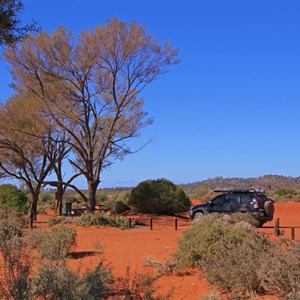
246, 203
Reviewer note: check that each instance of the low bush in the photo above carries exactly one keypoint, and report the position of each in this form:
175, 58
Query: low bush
12, 223
57, 243
12, 197
229, 254
54, 220
99, 219
281, 270
15, 259
57, 281
118, 207
158, 196
243, 217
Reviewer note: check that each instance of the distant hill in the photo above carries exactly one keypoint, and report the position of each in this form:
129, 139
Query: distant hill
267, 182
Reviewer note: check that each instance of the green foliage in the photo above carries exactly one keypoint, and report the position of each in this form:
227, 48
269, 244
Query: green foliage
118, 207
46, 197
101, 197
12, 223
283, 192
54, 220
12, 197
99, 219
57, 243
15, 263
10, 29
281, 271
229, 254
158, 196
243, 217
200, 192
57, 281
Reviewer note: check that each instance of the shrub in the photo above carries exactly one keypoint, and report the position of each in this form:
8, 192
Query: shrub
15, 269
139, 287
243, 217
15, 263
12, 197
57, 243
101, 196
281, 271
54, 220
118, 207
99, 219
158, 196
56, 281
12, 223
229, 254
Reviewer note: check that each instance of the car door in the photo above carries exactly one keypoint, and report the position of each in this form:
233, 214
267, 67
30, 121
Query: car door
217, 204
232, 203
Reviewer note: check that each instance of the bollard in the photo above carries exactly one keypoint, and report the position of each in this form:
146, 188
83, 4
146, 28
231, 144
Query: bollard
129, 223
176, 223
151, 224
293, 233
277, 228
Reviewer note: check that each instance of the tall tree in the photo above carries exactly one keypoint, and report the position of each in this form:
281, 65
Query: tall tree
23, 153
11, 29
91, 86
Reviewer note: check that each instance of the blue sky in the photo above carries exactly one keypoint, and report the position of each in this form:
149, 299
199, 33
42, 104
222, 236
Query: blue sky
230, 108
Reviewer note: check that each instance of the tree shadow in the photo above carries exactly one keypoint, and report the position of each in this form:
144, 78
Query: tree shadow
82, 254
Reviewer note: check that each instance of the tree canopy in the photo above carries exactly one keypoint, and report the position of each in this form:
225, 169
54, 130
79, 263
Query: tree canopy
90, 87
11, 29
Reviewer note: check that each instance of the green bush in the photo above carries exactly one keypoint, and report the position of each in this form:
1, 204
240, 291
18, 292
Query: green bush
281, 271
57, 243
99, 219
118, 207
229, 254
54, 220
12, 197
158, 196
101, 197
243, 217
12, 223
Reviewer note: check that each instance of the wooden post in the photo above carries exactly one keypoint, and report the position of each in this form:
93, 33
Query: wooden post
293, 233
151, 224
277, 227
129, 223
31, 223
176, 223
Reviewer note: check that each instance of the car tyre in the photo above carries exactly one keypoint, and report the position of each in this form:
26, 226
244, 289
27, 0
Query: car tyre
198, 216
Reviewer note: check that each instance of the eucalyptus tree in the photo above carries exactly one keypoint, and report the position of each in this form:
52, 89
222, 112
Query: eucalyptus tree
24, 154
91, 85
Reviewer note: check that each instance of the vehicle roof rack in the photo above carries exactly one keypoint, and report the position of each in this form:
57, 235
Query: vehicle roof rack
239, 191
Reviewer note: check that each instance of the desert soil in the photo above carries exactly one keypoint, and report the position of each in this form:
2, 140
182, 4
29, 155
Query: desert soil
141, 249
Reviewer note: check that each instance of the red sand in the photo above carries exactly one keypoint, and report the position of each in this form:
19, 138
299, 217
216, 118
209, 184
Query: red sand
133, 248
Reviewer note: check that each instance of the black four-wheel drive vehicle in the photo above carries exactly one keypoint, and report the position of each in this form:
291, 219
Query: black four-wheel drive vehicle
251, 201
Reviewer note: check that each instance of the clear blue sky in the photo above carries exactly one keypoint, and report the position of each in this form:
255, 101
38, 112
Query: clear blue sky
230, 108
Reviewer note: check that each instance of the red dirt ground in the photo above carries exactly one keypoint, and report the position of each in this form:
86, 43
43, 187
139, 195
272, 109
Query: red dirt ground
133, 248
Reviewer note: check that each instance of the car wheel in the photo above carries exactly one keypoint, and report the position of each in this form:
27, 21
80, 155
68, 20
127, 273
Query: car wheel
198, 216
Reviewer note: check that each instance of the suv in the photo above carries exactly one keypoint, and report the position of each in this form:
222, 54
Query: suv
251, 201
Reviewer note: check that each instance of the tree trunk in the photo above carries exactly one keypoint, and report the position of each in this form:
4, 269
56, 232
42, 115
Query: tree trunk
92, 189
59, 201
33, 207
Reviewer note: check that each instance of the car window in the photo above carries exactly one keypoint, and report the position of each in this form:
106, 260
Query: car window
233, 198
219, 200
246, 198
